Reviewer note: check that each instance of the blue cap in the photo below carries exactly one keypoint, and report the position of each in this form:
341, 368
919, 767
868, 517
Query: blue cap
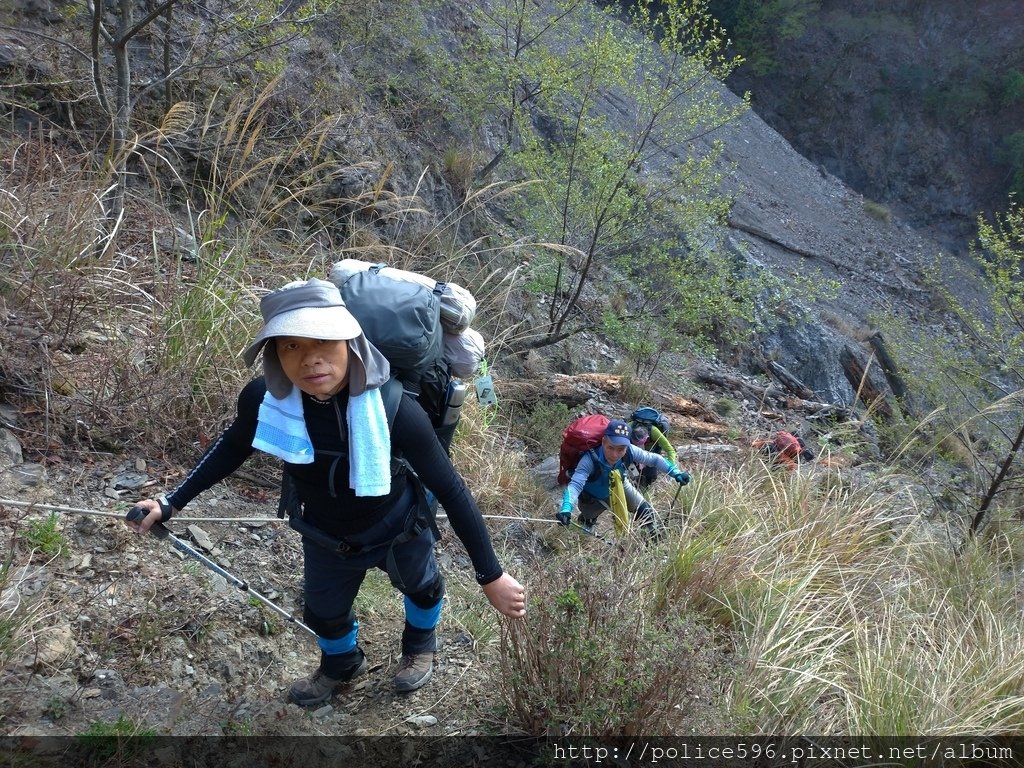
617, 432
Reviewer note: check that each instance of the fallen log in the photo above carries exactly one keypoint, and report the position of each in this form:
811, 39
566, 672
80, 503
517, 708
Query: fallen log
688, 418
762, 394
701, 449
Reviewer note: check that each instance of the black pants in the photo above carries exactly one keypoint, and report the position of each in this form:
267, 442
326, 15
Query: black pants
332, 582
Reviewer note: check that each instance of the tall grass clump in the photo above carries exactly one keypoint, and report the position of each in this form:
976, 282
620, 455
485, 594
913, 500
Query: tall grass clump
849, 613
496, 472
593, 658
25, 616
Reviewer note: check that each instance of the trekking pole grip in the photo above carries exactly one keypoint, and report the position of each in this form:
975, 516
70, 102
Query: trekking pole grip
135, 514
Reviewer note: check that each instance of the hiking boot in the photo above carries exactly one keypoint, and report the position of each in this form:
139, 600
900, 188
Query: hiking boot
414, 671
319, 687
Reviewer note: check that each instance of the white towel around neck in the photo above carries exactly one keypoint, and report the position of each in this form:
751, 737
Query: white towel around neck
281, 431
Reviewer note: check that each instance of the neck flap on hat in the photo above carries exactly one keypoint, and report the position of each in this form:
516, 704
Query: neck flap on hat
367, 369
367, 366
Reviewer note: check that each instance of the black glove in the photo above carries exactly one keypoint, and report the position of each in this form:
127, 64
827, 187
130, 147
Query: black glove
564, 515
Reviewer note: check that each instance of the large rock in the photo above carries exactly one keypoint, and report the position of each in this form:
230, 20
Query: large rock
812, 352
10, 448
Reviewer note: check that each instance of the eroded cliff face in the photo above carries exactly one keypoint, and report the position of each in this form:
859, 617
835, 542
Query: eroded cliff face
913, 103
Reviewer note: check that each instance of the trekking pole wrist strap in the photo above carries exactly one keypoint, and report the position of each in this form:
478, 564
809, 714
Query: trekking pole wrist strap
166, 510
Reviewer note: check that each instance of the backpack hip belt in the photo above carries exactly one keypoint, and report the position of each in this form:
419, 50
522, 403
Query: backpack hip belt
417, 521
323, 539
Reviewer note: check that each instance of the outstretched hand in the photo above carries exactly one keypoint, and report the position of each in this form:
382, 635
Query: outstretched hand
507, 596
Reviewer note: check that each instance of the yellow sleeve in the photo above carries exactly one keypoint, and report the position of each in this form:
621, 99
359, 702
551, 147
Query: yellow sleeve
664, 443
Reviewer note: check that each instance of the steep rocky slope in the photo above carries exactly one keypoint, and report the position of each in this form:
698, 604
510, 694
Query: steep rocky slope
132, 632
914, 105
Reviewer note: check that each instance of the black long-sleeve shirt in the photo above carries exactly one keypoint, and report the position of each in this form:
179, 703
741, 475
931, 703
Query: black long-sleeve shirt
323, 486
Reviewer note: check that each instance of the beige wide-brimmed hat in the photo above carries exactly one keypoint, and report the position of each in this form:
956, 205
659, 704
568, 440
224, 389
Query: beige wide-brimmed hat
311, 309
314, 309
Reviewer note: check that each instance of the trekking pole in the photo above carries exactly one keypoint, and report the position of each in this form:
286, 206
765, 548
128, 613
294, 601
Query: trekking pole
100, 513
161, 532
589, 532
673, 502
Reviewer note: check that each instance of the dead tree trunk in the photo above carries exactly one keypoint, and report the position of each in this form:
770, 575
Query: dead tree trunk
892, 375
790, 382
856, 371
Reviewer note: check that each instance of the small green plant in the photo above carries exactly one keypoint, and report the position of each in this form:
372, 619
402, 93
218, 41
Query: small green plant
118, 741
237, 728
55, 708
877, 211
270, 622
45, 537
725, 406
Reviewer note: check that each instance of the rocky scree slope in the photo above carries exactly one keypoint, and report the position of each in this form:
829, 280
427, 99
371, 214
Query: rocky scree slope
133, 630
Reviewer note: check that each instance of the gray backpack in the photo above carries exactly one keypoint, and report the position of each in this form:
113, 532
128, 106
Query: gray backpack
402, 319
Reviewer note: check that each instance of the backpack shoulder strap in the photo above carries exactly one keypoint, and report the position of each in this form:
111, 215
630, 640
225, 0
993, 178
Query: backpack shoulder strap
425, 511
391, 393
597, 470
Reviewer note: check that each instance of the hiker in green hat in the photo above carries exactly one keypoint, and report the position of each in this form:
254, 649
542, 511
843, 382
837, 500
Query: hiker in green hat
319, 407
652, 440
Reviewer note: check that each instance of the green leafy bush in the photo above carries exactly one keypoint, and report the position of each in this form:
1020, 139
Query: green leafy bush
542, 427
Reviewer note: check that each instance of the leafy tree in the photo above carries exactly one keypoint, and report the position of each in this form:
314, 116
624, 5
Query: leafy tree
1001, 255
759, 27
987, 372
604, 121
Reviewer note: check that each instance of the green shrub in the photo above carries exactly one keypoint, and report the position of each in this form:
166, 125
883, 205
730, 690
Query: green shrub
542, 427
877, 211
634, 390
118, 741
595, 659
44, 536
1013, 88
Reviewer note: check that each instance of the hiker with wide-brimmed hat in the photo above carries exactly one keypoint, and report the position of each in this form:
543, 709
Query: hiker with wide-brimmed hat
319, 407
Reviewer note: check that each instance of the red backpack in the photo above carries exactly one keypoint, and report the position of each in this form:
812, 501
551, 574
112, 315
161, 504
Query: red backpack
579, 437
788, 445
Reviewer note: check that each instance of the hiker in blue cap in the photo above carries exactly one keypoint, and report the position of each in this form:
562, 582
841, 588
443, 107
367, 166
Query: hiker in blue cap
319, 407
589, 486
